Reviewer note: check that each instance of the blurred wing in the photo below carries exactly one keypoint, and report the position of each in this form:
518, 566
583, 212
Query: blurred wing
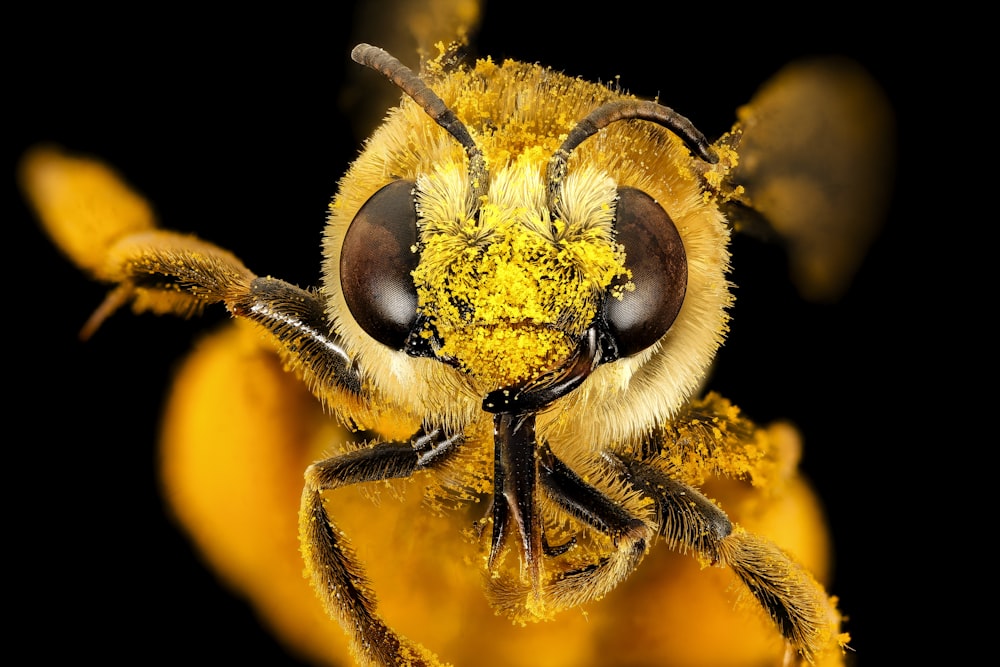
816, 158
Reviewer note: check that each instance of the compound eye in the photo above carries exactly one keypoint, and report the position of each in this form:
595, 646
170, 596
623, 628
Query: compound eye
654, 253
376, 261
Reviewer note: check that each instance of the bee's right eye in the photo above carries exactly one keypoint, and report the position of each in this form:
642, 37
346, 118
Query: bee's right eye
376, 262
655, 256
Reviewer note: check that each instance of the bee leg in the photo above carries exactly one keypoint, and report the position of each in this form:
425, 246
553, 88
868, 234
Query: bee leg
566, 589
687, 519
331, 564
553, 550
109, 230
796, 603
586, 503
296, 319
168, 273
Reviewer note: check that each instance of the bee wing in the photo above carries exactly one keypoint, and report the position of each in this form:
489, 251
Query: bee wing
816, 149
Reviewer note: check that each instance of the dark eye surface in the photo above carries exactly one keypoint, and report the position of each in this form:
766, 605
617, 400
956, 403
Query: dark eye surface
376, 261
654, 253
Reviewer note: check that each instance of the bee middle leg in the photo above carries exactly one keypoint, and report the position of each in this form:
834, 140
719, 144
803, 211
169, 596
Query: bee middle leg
690, 523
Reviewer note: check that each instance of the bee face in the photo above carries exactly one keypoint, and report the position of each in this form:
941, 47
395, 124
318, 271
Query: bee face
499, 280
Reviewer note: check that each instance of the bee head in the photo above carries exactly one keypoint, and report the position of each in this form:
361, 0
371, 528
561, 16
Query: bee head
499, 261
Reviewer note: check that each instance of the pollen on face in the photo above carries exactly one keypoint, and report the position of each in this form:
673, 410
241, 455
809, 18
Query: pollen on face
507, 293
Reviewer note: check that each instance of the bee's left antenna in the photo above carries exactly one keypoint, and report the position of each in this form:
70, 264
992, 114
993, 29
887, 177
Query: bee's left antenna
383, 62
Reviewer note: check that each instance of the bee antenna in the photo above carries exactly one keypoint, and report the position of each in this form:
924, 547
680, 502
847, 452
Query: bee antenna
610, 112
406, 80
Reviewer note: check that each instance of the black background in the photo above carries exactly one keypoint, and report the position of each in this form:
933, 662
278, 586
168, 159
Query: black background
233, 127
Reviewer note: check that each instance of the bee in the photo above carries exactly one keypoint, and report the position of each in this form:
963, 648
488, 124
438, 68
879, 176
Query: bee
525, 284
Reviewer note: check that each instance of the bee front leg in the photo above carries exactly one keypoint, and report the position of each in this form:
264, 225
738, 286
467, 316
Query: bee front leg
331, 564
169, 273
109, 231
591, 506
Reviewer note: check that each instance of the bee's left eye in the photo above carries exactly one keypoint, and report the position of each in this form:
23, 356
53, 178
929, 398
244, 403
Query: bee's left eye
376, 261
654, 253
